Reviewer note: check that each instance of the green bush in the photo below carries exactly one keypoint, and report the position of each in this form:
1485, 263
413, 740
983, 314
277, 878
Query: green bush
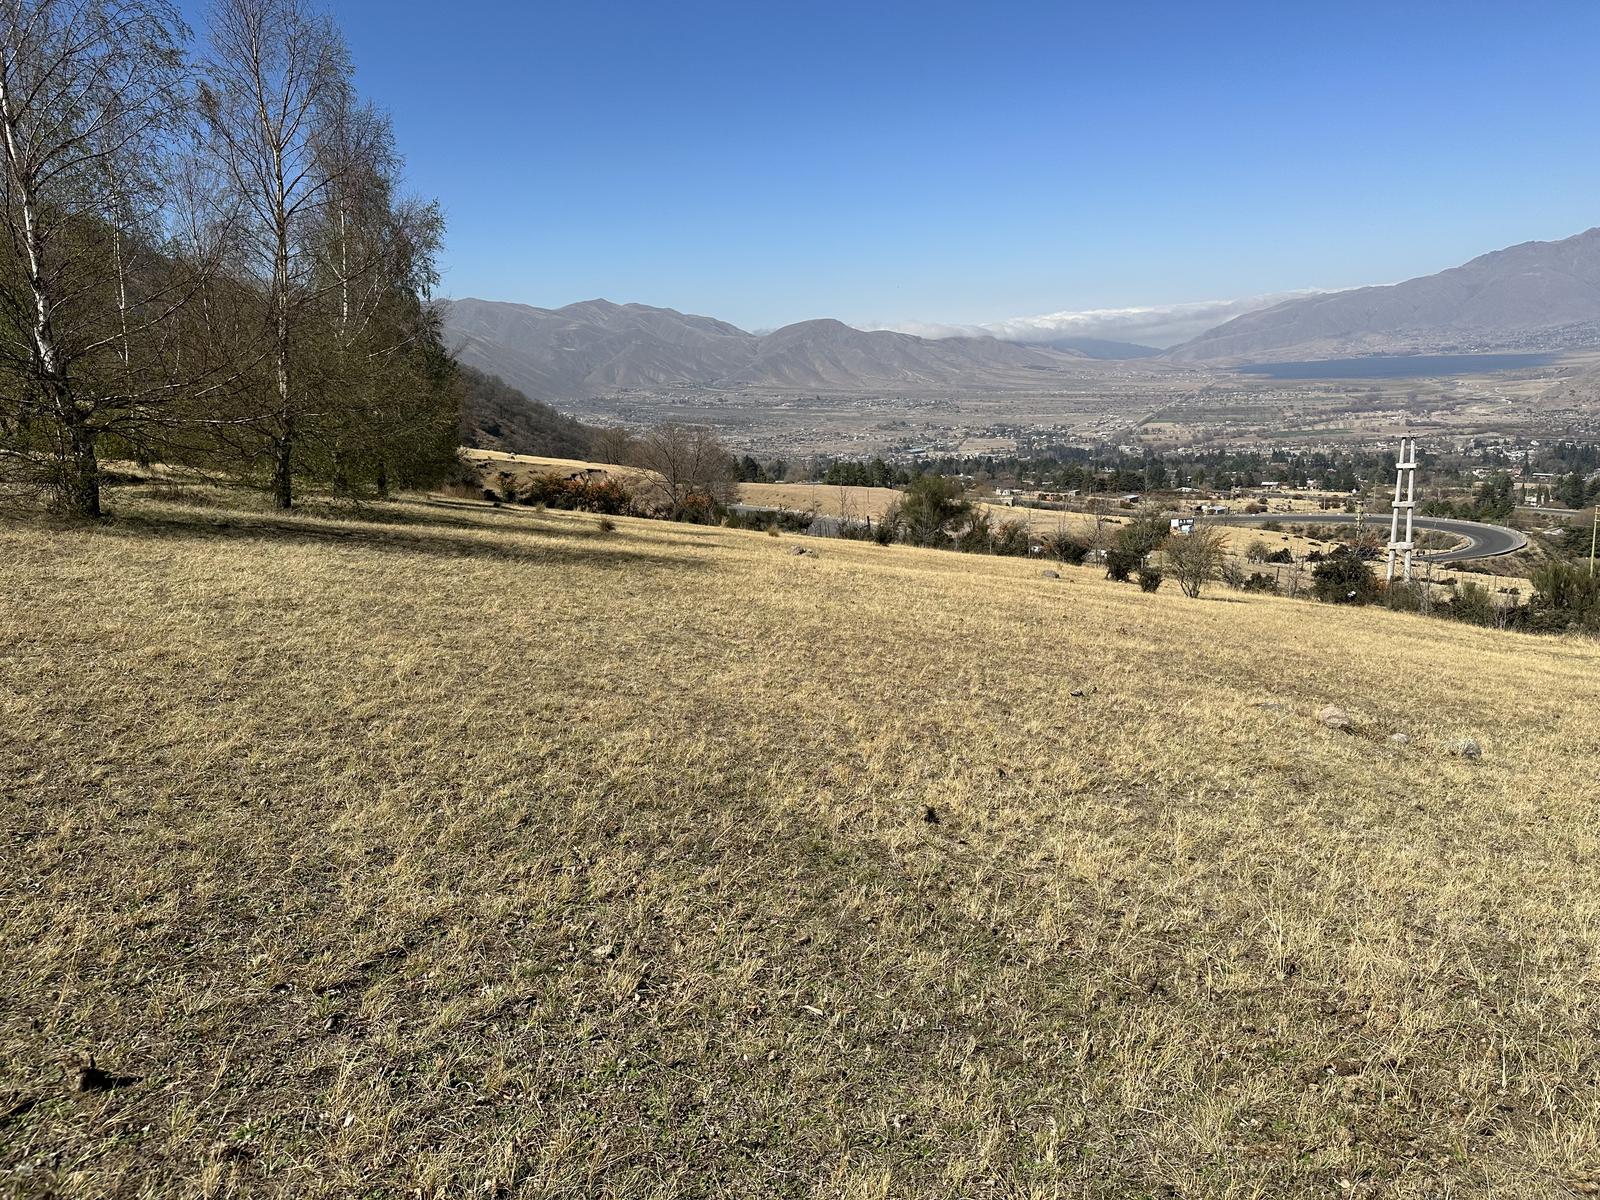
1343, 577
1012, 537
1149, 579
977, 536
1120, 564
930, 505
1404, 597
1565, 596
1260, 581
1064, 547
579, 492
1472, 604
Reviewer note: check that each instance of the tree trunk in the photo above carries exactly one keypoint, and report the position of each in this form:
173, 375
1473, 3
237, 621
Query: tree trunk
283, 466
78, 472
383, 479
283, 444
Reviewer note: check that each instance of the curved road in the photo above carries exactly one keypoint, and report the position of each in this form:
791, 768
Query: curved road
1483, 541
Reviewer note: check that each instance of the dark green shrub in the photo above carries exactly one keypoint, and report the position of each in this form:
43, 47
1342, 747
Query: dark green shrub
1069, 550
930, 505
1120, 564
1472, 604
1143, 535
1149, 579
1011, 537
581, 493
1343, 577
1565, 596
977, 536
1259, 581
1404, 597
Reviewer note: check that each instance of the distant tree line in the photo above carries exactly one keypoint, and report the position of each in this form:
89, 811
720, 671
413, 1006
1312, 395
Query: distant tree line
1112, 469
207, 257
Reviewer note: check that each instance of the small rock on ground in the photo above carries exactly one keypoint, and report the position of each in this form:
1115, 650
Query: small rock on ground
1051, 574
1468, 749
1334, 717
1400, 739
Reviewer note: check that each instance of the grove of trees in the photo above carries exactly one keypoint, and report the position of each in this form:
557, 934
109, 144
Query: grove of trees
206, 257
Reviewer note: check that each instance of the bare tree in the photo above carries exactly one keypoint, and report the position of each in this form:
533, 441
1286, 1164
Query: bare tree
1099, 508
1196, 558
92, 96
695, 474
613, 444
277, 74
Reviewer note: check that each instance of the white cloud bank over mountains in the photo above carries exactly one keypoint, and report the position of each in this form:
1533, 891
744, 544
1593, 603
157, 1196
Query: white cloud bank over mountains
1159, 325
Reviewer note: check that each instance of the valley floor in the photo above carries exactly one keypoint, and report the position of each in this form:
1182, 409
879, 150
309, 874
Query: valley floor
457, 850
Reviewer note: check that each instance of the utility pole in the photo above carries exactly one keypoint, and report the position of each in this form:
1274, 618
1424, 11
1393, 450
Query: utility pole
1594, 537
1405, 482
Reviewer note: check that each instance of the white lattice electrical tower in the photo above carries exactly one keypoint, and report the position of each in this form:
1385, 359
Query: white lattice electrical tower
1405, 500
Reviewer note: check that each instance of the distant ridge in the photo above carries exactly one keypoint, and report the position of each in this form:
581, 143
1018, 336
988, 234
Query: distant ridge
597, 348
1093, 347
1534, 296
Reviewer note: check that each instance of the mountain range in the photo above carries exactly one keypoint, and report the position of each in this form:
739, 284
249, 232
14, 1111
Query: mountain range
598, 348
1537, 295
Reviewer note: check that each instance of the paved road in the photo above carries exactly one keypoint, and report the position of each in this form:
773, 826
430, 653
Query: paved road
1483, 541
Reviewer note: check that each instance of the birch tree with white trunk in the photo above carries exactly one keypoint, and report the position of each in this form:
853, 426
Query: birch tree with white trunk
276, 74
93, 96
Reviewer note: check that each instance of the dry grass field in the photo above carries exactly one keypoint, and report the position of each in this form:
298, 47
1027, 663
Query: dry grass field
525, 466
827, 500
457, 851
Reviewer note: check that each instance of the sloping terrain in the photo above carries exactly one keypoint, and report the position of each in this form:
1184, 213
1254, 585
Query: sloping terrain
598, 348
496, 416
1534, 295
482, 851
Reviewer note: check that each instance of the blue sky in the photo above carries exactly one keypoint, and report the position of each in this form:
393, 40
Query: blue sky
937, 162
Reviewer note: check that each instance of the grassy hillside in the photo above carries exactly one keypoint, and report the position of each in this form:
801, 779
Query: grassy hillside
859, 503
496, 416
463, 851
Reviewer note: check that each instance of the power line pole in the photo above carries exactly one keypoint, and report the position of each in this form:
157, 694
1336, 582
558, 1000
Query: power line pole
1594, 537
1405, 481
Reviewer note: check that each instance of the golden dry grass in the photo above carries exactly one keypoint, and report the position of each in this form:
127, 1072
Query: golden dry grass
463, 851
829, 500
525, 466
860, 503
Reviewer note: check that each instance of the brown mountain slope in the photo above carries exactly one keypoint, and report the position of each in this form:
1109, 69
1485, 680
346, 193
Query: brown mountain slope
599, 348
1533, 296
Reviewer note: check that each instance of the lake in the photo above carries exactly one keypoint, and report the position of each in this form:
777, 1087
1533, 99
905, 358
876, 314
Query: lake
1399, 366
